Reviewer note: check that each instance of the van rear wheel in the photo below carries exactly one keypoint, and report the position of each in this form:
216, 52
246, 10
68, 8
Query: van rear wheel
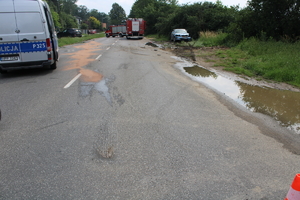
3, 71
53, 66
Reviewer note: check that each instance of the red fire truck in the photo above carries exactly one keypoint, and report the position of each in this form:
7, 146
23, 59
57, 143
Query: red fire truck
135, 28
116, 30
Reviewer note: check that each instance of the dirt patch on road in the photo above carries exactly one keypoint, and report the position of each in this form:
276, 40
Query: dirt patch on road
83, 56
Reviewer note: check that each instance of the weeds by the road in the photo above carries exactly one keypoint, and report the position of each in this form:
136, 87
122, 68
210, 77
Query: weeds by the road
157, 38
277, 61
272, 60
73, 40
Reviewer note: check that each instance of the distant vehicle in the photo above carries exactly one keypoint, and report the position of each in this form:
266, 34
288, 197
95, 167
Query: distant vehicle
116, 30
92, 32
27, 35
135, 28
179, 35
70, 32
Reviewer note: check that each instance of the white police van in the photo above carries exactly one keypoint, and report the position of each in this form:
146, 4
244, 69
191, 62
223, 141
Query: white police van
27, 35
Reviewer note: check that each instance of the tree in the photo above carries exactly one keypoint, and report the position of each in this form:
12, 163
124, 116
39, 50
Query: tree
84, 26
117, 14
68, 21
68, 6
95, 13
197, 17
276, 19
104, 18
56, 20
137, 9
82, 12
63, 12
94, 23
152, 11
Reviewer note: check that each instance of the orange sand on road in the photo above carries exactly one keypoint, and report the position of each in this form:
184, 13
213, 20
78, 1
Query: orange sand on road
82, 58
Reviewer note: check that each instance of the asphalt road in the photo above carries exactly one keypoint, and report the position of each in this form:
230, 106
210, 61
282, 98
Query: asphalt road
116, 120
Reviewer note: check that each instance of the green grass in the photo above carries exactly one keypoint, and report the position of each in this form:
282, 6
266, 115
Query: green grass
209, 39
157, 38
272, 60
73, 40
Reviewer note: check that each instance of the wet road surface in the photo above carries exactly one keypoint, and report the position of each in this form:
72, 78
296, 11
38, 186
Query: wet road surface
117, 120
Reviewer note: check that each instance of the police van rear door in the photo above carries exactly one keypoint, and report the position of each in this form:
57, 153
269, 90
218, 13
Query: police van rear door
23, 33
9, 47
31, 30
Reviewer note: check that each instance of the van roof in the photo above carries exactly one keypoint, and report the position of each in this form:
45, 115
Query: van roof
20, 5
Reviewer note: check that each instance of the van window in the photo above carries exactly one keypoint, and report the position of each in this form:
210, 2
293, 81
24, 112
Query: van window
29, 23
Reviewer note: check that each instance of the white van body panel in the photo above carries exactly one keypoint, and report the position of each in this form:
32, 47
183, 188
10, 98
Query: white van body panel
27, 35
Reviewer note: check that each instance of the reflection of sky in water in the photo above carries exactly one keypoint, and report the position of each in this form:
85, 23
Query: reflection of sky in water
86, 89
283, 106
219, 83
102, 88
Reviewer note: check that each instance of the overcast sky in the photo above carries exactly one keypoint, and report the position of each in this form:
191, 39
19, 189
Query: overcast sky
105, 5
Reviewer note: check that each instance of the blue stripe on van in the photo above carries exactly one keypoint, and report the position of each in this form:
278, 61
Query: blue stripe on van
9, 48
33, 47
27, 47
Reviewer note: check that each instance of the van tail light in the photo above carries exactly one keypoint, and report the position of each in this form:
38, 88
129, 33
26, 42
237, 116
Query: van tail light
49, 48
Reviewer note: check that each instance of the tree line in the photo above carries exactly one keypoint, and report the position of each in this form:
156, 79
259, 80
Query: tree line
67, 14
264, 19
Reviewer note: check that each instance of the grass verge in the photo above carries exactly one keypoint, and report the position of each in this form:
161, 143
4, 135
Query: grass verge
157, 38
73, 40
270, 60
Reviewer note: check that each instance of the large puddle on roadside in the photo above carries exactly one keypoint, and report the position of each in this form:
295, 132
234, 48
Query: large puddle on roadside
282, 105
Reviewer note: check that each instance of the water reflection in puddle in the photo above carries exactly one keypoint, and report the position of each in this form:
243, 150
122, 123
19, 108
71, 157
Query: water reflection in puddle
282, 105
86, 89
91, 80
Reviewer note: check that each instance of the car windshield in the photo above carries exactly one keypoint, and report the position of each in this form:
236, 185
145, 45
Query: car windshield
180, 31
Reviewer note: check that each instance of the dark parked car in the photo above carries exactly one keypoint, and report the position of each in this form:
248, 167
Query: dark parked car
70, 32
180, 34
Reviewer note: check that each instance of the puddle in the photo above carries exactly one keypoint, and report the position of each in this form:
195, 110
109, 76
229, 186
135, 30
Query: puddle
93, 81
102, 88
282, 105
87, 89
